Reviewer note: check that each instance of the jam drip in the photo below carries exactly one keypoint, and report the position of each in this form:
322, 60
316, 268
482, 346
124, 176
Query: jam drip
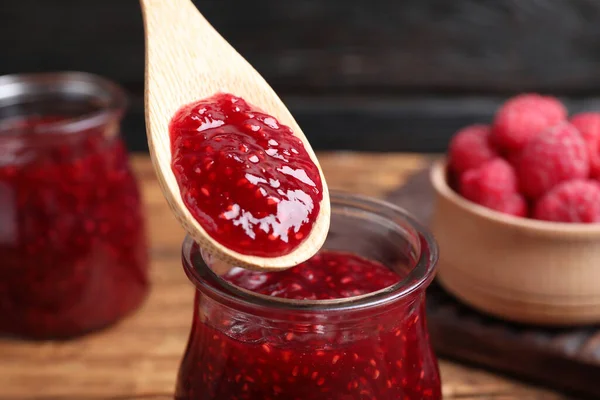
379, 354
246, 178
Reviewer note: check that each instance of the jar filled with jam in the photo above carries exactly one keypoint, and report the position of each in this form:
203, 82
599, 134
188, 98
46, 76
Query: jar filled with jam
348, 324
73, 254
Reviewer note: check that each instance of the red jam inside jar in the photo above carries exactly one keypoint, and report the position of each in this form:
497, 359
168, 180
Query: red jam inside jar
245, 177
273, 335
72, 239
326, 276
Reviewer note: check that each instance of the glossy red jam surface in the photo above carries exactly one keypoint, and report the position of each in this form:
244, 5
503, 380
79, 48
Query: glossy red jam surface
246, 178
72, 240
381, 354
326, 276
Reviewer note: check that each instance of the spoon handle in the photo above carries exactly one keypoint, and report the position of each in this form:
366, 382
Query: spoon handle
170, 13
171, 3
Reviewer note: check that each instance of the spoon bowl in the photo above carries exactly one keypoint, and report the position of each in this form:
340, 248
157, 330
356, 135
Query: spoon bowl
188, 60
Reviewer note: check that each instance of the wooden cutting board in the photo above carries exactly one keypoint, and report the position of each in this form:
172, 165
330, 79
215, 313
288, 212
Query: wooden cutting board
565, 359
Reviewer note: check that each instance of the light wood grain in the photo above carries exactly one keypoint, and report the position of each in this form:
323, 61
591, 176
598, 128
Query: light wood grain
187, 60
139, 357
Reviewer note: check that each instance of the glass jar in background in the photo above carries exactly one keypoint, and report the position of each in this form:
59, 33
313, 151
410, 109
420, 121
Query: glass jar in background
73, 255
245, 345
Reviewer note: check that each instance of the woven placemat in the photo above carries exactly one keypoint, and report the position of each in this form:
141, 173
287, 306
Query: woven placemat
564, 359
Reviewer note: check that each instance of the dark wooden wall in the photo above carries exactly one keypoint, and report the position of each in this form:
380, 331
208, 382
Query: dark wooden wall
358, 74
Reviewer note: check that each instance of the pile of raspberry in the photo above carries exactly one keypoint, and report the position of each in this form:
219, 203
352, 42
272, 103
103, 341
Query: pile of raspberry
533, 161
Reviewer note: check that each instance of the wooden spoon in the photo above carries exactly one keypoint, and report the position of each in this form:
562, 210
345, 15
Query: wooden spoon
187, 60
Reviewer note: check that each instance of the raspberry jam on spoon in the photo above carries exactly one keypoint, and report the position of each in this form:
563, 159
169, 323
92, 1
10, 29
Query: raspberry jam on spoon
246, 178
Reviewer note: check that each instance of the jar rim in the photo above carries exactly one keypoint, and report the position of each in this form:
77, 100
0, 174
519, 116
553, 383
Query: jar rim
419, 277
108, 95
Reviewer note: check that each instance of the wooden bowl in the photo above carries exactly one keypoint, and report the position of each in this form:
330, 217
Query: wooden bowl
518, 269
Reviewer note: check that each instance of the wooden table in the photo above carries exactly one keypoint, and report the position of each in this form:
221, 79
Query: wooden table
138, 358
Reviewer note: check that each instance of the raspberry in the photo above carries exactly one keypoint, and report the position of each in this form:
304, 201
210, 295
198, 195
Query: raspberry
514, 204
494, 185
470, 148
588, 124
523, 117
571, 201
514, 158
558, 154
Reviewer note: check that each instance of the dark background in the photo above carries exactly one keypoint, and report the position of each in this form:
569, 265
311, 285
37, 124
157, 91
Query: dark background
377, 75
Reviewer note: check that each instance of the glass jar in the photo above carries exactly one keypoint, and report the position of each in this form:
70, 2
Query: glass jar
72, 241
245, 345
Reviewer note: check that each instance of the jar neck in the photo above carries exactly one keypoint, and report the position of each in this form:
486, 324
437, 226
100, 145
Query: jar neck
310, 326
390, 236
40, 110
348, 311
